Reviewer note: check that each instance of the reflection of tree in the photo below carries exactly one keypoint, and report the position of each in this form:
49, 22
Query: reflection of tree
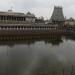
52, 39
55, 40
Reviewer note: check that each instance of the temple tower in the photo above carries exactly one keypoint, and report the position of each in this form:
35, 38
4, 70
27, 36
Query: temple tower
57, 16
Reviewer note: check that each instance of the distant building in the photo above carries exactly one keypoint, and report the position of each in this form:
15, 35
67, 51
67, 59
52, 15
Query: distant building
57, 16
30, 17
47, 21
70, 21
40, 20
14, 17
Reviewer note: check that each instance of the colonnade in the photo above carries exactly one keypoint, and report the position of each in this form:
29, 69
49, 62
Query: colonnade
27, 27
12, 18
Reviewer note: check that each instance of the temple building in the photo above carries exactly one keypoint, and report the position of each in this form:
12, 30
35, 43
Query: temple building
14, 17
40, 20
30, 17
70, 21
57, 16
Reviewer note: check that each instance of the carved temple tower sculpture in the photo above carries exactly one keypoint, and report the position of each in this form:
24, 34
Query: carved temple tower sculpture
57, 16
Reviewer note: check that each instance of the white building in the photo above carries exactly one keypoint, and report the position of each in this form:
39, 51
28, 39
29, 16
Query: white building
70, 21
16, 17
30, 17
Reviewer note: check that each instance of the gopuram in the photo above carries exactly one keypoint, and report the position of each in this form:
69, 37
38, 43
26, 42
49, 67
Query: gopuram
57, 16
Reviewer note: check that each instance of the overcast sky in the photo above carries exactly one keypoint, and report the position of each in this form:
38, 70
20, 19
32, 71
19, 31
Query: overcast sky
39, 7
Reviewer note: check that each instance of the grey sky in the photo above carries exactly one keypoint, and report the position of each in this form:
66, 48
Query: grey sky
39, 7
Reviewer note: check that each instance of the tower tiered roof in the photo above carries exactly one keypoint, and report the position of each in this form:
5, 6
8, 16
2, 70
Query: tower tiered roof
57, 14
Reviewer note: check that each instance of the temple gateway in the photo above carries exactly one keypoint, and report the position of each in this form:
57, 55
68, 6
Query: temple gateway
57, 16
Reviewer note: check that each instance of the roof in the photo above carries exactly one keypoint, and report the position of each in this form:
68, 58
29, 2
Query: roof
57, 14
11, 13
30, 15
71, 20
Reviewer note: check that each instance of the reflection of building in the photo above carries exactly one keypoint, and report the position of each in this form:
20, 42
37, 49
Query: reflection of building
57, 16
47, 38
13, 17
70, 21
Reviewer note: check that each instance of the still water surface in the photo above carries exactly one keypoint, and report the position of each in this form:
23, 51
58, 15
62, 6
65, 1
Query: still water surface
40, 55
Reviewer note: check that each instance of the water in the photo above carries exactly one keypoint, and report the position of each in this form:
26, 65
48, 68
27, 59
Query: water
38, 55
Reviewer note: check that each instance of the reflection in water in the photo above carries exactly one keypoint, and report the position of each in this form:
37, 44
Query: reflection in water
28, 40
37, 55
